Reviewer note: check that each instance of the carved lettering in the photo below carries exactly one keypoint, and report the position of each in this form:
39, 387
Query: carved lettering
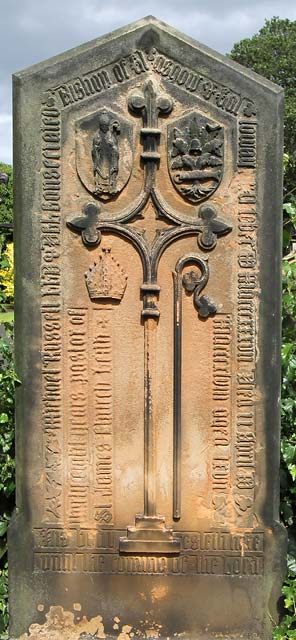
139, 62
78, 444
103, 416
51, 153
220, 425
50, 288
247, 287
93, 562
196, 83
247, 131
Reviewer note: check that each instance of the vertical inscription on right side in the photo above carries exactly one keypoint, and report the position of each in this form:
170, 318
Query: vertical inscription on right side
246, 352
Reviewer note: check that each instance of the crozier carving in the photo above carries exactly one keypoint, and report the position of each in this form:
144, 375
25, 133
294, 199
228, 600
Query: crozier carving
193, 281
204, 305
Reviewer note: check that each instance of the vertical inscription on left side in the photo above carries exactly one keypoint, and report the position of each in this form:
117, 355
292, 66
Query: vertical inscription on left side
51, 324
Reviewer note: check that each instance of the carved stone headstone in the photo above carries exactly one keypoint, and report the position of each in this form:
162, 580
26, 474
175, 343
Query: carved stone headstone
148, 188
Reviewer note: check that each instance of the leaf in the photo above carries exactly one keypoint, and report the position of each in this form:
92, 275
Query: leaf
286, 237
290, 209
292, 565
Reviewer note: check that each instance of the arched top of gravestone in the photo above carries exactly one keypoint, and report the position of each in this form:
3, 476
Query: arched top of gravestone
148, 34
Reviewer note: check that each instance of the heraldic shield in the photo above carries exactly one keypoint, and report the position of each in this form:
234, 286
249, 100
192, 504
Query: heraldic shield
104, 153
195, 156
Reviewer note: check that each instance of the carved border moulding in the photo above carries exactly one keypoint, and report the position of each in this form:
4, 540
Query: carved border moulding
103, 140
150, 534
195, 156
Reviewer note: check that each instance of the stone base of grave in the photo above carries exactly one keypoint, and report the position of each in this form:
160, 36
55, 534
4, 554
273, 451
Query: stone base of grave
149, 535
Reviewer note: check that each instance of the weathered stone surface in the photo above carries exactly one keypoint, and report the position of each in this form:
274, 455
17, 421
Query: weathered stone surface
148, 188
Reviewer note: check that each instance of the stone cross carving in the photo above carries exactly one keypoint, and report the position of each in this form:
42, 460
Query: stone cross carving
151, 104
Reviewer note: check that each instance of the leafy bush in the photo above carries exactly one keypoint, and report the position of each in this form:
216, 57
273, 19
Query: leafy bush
7, 385
6, 194
7, 465
288, 443
7, 274
287, 628
4, 615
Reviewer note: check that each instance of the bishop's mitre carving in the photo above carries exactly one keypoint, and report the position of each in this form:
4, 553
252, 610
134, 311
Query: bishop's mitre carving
106, 278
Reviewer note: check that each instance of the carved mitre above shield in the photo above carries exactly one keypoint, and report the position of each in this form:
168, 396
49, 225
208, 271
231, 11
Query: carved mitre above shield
195, 156
106, 279
104, 153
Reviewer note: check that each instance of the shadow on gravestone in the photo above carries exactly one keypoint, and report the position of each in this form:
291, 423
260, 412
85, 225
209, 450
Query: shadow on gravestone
148, 343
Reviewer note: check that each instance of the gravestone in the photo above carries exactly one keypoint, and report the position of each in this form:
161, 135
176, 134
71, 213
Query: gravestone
148, 251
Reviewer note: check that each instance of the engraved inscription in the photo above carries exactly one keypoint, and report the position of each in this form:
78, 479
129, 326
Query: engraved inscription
247, 133
247, 287
51, 155
197, 83
78, 562
102, 415
100, 80
106, 540
245, 445
86, 550
77, 443
247, 283
221, 414
51, 321
221, 358
139, 62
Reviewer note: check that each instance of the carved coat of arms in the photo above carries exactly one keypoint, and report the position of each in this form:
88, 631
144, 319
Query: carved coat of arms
195, 156
104, 153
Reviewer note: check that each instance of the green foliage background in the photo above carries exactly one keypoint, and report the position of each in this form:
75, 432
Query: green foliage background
7, 385
287, 629
271, 52
7, 484
6, 195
